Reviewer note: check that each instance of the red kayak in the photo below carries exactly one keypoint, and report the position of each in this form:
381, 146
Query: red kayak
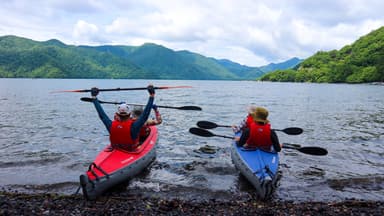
111, 168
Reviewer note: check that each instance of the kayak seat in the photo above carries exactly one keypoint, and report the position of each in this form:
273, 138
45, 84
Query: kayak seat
255, 148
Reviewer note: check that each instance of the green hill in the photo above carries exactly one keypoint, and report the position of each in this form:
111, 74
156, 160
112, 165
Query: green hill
360, 62
20, 57
25, 58
174, 65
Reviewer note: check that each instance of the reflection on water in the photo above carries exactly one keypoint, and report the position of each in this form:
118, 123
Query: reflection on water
47, 140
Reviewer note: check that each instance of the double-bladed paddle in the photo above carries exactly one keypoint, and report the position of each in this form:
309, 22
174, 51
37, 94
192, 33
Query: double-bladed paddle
123, 89
312, 150
86, 99
211, 125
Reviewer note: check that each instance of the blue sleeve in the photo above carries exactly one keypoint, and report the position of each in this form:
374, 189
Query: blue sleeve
136, 126
102, 115
275, 141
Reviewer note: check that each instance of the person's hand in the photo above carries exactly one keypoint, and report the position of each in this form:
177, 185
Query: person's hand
151, 90
94, 91
235, 128
154, 107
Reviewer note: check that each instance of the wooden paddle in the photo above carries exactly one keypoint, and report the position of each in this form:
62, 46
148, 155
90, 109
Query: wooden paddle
211, 125
123, 89
312, 150
86, 99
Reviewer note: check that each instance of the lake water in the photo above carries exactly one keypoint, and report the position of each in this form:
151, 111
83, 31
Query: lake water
48, 139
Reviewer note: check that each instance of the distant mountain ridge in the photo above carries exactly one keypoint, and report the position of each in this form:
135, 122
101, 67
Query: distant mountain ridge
22, 57
289, 64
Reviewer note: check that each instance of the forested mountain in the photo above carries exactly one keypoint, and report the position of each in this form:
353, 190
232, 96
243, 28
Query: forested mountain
21, 57
362, 61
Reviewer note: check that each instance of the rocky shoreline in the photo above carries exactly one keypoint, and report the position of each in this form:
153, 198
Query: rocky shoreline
12, 203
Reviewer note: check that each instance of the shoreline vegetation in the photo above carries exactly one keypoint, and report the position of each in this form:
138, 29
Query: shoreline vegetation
360, 62
14, 203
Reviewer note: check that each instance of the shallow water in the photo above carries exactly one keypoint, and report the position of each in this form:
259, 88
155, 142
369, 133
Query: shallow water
48, 139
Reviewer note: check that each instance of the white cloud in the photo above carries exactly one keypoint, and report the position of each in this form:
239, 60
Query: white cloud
84, 32
248, 32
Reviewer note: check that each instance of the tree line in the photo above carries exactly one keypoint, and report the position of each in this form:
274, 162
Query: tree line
360, 62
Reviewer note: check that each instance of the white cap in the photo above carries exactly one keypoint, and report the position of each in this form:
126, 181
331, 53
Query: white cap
251, 109
123, 109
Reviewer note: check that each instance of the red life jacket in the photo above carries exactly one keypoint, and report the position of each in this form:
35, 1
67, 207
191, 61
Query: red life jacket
249, 121
259, 136
120, 135
144, 131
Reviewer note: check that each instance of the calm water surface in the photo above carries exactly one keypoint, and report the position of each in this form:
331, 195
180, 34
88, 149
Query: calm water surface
48, 139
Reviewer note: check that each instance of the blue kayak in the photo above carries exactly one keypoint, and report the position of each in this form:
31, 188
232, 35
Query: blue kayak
259, 167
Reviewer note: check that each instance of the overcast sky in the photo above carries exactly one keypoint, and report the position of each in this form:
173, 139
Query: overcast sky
250, 32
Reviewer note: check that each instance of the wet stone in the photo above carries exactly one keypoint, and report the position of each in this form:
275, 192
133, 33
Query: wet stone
53, 204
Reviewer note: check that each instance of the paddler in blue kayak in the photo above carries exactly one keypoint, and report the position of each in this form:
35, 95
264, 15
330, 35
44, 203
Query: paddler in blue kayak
124, 131
244, 124
259, 134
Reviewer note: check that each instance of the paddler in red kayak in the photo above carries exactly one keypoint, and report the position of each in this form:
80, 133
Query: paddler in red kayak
124, 131
145, 130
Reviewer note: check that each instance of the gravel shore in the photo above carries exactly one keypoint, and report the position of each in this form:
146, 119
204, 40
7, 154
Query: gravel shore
52, 204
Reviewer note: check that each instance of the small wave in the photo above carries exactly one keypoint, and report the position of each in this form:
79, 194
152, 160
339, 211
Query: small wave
29, 162
180, 192
6, 126
369, 183
61, 188
314, 172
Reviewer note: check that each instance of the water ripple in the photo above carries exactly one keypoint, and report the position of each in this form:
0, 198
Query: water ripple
47, 141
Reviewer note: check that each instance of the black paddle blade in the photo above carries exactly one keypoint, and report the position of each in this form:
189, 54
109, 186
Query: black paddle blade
189, 108
206, 133
210, 125
206, 124
313, 150
200, 132
293, 131
86, 99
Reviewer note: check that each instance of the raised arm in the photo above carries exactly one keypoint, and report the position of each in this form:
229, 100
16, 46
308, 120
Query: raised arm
136, 126
158, 120
102, 115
